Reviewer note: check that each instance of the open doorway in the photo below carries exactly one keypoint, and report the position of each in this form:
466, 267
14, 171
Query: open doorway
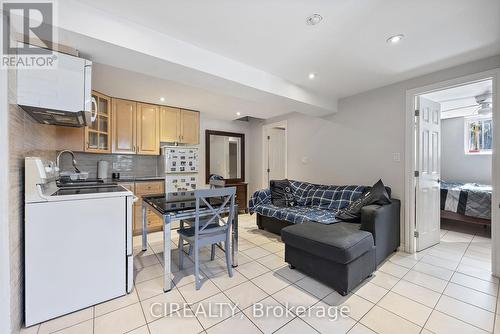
466, 157
452, 182
274, 152
452, 177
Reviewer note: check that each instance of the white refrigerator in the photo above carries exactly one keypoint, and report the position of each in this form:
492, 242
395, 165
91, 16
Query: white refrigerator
181, 166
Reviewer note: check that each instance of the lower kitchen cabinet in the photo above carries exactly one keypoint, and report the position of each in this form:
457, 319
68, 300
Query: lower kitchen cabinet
141, 189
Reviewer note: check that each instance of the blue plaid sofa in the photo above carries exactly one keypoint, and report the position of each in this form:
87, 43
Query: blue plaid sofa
314, 202
339, 253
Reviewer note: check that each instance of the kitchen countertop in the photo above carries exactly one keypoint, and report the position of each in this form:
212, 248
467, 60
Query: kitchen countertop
138, 179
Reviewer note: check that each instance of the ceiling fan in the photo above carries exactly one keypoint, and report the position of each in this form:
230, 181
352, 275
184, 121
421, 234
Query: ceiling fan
485, 103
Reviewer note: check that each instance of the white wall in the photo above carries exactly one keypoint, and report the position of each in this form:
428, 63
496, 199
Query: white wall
455, 164
356, 145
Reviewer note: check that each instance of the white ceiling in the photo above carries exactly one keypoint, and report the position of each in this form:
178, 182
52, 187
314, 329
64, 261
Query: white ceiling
253, 57
215, 82
347, 50
122, 83
460, 101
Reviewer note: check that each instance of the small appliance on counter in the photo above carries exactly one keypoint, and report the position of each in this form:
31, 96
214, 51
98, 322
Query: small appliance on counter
180, 166
78, 243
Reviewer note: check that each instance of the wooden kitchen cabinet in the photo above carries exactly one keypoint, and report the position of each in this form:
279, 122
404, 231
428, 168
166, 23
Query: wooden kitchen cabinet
98, 132
147, 188
136, 128
189, 127
130, 127
169, 124
124, 126
148, 129
96, 136
179, 126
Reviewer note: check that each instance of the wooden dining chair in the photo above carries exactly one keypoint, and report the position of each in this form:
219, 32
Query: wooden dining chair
212, 228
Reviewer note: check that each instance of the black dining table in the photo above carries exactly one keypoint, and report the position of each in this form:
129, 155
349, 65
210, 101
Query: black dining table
178, 206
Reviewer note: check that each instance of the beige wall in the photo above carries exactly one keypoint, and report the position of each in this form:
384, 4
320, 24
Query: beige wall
26, 138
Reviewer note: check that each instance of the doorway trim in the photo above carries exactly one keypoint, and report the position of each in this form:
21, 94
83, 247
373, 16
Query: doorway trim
280, 124
408, 230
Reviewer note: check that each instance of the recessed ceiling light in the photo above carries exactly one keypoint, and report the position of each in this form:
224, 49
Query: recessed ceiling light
162, 99
395, 39
313, 19
311, 76
238, 114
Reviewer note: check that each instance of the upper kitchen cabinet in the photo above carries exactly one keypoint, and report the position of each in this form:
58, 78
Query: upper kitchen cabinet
190, 127
131, 127
96, 136
148, 129
98, 132
170, 119
179, 126
124, 126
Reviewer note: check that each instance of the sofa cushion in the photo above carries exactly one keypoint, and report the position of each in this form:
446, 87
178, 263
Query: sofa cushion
301, 192
335, 197
341, 242
281, 193
297, 214
377, 194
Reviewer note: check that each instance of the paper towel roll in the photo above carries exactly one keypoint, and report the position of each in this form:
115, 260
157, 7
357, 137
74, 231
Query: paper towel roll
102, 169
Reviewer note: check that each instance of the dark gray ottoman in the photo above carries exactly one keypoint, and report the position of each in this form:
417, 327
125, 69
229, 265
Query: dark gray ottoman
340, 255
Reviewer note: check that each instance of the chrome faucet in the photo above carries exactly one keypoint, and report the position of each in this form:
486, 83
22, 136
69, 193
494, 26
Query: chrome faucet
73, 161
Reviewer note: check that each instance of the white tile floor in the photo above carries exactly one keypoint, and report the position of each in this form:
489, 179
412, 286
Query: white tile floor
445, 289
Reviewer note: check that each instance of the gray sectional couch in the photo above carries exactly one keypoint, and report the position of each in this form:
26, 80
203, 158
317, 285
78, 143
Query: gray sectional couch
339, 253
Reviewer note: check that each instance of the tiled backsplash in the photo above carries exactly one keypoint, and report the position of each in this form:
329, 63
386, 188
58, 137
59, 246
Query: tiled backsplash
125, 164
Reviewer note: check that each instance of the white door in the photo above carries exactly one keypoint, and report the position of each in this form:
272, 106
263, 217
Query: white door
276, 153
428, 167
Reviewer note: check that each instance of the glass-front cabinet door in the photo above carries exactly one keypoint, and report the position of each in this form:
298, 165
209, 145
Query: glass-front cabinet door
98, 132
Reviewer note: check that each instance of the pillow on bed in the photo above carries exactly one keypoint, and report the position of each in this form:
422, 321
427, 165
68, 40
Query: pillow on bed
374, 195
281, 193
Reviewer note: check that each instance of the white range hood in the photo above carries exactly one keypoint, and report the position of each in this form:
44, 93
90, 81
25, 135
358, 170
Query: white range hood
60, 95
